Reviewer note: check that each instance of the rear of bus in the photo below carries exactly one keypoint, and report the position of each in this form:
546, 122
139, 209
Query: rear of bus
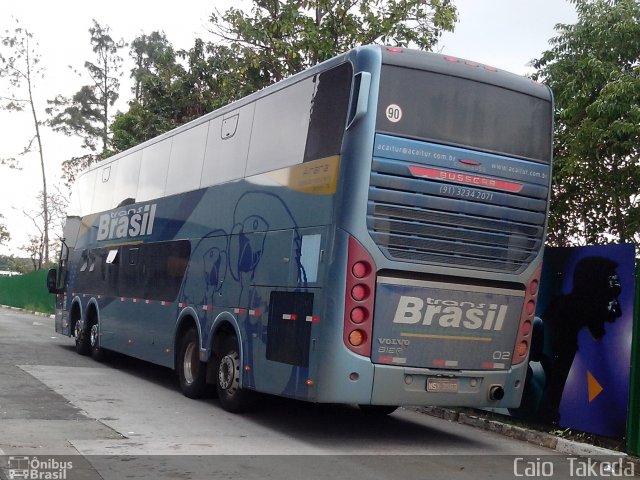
443, 205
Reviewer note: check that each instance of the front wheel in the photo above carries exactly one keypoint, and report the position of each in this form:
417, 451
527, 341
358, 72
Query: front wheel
232, 398
192, 373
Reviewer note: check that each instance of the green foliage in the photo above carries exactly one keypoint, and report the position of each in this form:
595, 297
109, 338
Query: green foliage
27, 291
166, 93
278, 38
282, 37
4, 233
593, 69
88, 112
16, 264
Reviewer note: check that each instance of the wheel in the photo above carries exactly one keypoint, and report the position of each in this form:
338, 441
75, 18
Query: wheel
192, 373
83, 345
97, 353
377, 410
232, 398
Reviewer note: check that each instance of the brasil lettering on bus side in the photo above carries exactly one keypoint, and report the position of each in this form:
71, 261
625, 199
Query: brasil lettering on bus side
450, 313
128, 222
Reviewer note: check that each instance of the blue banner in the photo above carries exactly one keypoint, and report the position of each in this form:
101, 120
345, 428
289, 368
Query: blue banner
581, 351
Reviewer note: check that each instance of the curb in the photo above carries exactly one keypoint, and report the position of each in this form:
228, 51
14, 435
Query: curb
541, 439
37, 314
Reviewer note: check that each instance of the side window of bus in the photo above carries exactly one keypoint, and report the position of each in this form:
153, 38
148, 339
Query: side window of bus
163, 268
185, 164
329, 112
104, 186
91, 274
130, 273
86, 184
280, 126
153, 170
225, 157
126, 184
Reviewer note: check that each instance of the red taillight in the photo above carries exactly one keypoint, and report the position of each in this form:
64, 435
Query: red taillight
358, 315
525, 331
361, 269
360, 292
394, 50
359, 299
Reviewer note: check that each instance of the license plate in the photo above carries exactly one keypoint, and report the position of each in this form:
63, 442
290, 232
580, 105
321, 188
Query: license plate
442, 385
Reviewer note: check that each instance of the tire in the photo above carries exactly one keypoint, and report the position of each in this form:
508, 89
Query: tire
97, 352
232, 398
192, 373
377, 410
83, 345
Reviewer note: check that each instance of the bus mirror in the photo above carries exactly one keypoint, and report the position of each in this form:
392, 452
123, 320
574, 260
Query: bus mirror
360, 100
52, 280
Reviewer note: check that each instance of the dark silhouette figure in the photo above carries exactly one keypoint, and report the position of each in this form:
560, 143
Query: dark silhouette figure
592, 303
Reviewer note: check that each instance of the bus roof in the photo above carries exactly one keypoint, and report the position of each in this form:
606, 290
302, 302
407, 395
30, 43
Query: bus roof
403, 57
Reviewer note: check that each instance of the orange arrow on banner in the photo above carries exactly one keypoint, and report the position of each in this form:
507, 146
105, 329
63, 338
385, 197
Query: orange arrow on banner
594, 387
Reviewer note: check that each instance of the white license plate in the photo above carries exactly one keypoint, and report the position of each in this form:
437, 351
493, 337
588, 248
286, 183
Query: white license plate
442, 385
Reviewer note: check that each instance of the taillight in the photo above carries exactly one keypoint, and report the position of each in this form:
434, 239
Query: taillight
523, 341
359, 299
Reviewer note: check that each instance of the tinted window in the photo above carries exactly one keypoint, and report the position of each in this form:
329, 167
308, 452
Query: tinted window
153, 171
280, 128
163, 266
185, 161
303, 122
153, 271
328, 113
457, 111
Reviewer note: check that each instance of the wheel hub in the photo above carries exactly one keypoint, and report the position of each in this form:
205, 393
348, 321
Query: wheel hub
93, 336
227, 372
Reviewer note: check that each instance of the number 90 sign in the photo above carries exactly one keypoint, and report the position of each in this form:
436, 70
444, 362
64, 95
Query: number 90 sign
394, 113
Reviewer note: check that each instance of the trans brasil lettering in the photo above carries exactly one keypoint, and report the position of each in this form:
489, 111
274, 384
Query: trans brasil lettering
130, 222
450, 313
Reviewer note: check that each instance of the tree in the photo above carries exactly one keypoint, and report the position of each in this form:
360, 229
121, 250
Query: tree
282, 37
168, 94
593, 69
4, 233
153, 108
87, 113
19, 63
37, 247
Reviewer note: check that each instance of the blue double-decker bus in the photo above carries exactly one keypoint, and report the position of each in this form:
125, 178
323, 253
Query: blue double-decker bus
369, 231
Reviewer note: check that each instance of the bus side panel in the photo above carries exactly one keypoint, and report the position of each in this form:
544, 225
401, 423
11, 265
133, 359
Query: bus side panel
264, 253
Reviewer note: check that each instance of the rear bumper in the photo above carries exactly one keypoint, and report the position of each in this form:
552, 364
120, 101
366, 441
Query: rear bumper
394, 385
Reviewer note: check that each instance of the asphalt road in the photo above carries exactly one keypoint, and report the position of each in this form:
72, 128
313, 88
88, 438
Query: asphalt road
127, 419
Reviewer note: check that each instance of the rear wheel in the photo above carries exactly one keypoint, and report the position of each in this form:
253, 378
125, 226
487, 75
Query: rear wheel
97, 352
192, 373
83, 342
232, 398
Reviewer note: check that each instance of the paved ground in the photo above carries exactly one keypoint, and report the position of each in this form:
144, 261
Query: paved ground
127, 418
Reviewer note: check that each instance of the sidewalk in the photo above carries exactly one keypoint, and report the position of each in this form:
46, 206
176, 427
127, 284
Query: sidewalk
509, 427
